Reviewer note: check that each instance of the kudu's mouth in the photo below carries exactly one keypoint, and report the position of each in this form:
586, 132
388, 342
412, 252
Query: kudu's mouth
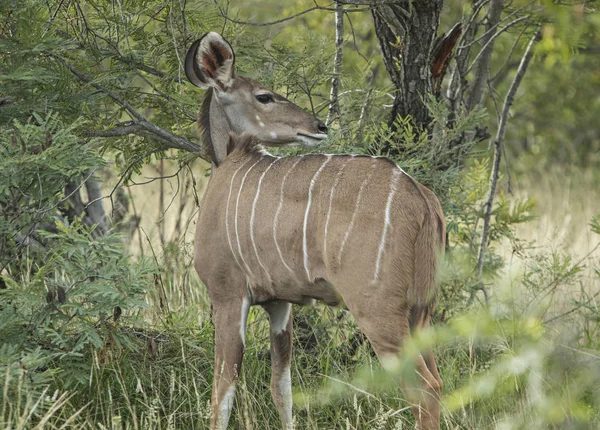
310, 138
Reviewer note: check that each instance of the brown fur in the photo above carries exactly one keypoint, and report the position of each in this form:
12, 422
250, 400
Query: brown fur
386, 308
273, 231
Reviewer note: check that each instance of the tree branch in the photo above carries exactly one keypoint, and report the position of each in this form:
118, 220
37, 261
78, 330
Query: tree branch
288, 18
143, 127
6, 100
483, 64
498, 142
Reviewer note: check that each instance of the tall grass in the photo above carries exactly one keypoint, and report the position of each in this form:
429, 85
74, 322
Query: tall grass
530, 361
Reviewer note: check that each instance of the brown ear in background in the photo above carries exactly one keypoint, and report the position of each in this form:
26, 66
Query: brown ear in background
441, 54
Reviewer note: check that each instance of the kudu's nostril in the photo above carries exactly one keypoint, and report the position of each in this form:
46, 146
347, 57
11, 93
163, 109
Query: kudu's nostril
322, 127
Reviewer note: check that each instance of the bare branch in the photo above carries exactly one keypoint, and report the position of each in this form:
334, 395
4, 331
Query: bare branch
483, 63
95, 210
334, 104
498, 142
494, 36
143, 126
288, 18
6, 100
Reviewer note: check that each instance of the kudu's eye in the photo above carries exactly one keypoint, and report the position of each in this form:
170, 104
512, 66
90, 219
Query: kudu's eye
264, 98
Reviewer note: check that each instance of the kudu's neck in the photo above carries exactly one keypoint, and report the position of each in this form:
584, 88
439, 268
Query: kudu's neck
216, 128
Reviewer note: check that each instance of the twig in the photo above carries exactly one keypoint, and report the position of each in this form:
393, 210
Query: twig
279, 21
334, 105
137, 220
6, 100
362, 119
87, 278
483, 63
498, 154
144, 127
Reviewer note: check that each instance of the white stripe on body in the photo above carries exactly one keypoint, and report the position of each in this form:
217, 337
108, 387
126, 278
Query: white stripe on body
308, 204
386, 225
276, 221
236, 216
354, 214
253, 215
335, 183
227, 216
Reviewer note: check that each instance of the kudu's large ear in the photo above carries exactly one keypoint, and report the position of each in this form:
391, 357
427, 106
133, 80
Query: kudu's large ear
209, 62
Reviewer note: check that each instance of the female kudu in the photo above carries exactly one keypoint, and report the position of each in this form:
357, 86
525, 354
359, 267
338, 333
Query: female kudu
279, 230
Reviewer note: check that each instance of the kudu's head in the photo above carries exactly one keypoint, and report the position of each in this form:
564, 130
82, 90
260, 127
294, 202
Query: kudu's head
241, 105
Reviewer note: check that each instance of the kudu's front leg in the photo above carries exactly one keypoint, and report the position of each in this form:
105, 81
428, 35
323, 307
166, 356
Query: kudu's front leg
280, 317
230, 330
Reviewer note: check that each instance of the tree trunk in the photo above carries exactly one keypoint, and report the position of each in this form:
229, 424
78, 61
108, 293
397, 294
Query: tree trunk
406, 31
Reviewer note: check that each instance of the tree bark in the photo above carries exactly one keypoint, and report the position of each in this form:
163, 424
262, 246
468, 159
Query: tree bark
334, 103
406, 31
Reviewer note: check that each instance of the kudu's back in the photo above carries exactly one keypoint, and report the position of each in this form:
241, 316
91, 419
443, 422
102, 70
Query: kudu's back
327, 227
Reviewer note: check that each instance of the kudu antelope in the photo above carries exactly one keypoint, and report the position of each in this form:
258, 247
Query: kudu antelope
273, 231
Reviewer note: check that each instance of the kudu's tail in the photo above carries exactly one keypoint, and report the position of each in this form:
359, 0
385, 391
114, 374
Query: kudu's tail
429, 249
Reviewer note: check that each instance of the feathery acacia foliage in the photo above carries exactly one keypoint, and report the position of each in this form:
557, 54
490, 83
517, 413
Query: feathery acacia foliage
94, 88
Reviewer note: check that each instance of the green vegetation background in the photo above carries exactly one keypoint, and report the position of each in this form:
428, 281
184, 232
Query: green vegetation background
113, 330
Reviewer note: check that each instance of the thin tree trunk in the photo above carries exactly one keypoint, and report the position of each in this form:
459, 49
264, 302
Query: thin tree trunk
482, 70
498, 142
334, 103
95, 210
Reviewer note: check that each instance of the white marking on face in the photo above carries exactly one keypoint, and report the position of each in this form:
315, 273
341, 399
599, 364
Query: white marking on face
225, 407
395, 174
335, 183
244, 319
360, 191
276, 221
285, 391
280, 316
252, 216
308, 204
227, 216
236, 216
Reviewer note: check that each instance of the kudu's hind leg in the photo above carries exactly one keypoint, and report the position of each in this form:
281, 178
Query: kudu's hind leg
280, 317
387, 328
230, 329
421, 319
